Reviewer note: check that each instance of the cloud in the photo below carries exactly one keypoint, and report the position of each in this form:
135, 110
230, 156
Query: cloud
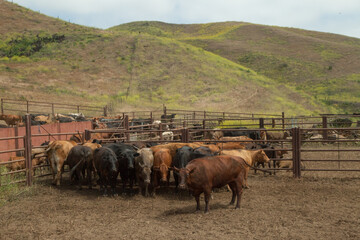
321, 15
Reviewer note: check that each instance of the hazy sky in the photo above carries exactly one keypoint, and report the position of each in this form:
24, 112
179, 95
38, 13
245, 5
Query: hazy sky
335, 16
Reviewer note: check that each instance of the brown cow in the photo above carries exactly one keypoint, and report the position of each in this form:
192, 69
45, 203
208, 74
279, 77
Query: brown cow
201, 175
231, 145
15, 166
265, 135
56, 154
11, 120
161, 167
251, 157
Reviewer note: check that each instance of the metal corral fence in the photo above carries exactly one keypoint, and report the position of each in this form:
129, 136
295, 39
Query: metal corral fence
36, 107
298, 145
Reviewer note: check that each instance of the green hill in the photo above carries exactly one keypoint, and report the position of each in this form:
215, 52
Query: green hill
221, 66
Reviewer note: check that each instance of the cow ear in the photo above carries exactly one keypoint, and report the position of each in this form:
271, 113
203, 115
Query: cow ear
175, 169
136, 154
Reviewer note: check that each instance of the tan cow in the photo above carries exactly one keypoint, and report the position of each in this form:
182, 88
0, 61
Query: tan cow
251, 157
11, 120
57, 153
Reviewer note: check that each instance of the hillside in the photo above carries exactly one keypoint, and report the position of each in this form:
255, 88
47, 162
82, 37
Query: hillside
145, 64
324, 65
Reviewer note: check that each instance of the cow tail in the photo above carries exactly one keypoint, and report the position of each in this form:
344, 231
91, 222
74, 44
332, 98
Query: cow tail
74, 168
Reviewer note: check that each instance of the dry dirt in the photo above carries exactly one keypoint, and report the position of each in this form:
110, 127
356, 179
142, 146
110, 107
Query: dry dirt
275, 207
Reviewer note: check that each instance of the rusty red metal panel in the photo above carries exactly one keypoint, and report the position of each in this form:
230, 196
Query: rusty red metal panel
38, 140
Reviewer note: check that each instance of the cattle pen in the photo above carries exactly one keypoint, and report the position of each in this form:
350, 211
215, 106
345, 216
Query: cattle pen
312, 192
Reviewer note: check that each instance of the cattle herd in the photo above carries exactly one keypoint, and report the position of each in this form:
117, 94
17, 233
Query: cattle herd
198, 166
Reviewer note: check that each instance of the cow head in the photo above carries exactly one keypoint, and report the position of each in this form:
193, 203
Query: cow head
130, 158
261, 157
163, 170
145, 173
184, 174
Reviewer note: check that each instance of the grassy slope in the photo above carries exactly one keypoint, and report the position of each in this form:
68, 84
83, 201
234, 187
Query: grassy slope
128, 69
326, 66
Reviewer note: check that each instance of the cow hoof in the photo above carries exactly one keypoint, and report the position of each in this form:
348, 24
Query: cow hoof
246, 187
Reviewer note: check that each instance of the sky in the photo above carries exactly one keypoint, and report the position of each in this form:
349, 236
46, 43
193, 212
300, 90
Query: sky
333, 16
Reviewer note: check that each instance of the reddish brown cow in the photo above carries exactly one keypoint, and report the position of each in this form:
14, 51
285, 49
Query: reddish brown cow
162, 163
201, 175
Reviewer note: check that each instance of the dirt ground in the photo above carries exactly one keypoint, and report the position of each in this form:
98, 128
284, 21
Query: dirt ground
275, 207
320, 205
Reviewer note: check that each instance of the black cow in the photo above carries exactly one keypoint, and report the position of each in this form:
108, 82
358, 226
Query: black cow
126, 158
107, 167
168, 118
79, 159
255, 135
181, 159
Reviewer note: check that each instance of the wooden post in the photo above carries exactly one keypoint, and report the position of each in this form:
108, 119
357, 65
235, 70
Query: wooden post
2, 106
194, 115
27, 106
127, 127
164, 110
87, 134
27, 146
324, 125
283, 120
53, 110
204, 114
261, 122
296, 142
78, 109
105, 110
151, 118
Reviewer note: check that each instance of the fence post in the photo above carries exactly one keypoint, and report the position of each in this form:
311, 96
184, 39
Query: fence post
324, 125
105, 110
164, 110
27, 145
204, 114
2, 106
283, 120
78, 109
151, 118
194, 115
52, 110
27, 106
261, 122
127, 127
296, 142
87, 135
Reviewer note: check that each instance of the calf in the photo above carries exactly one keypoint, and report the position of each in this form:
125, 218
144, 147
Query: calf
57, 153
80, 158
143, 165
161, 167
126, 157
107, 167
201, 175
250, 157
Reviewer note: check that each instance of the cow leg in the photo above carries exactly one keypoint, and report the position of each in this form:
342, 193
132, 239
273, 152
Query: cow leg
176, 178
146, 189
238, 188
79, 176
207, 194
113, 186
88, 172
58, 175
233, 190
197, 198
245, 185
